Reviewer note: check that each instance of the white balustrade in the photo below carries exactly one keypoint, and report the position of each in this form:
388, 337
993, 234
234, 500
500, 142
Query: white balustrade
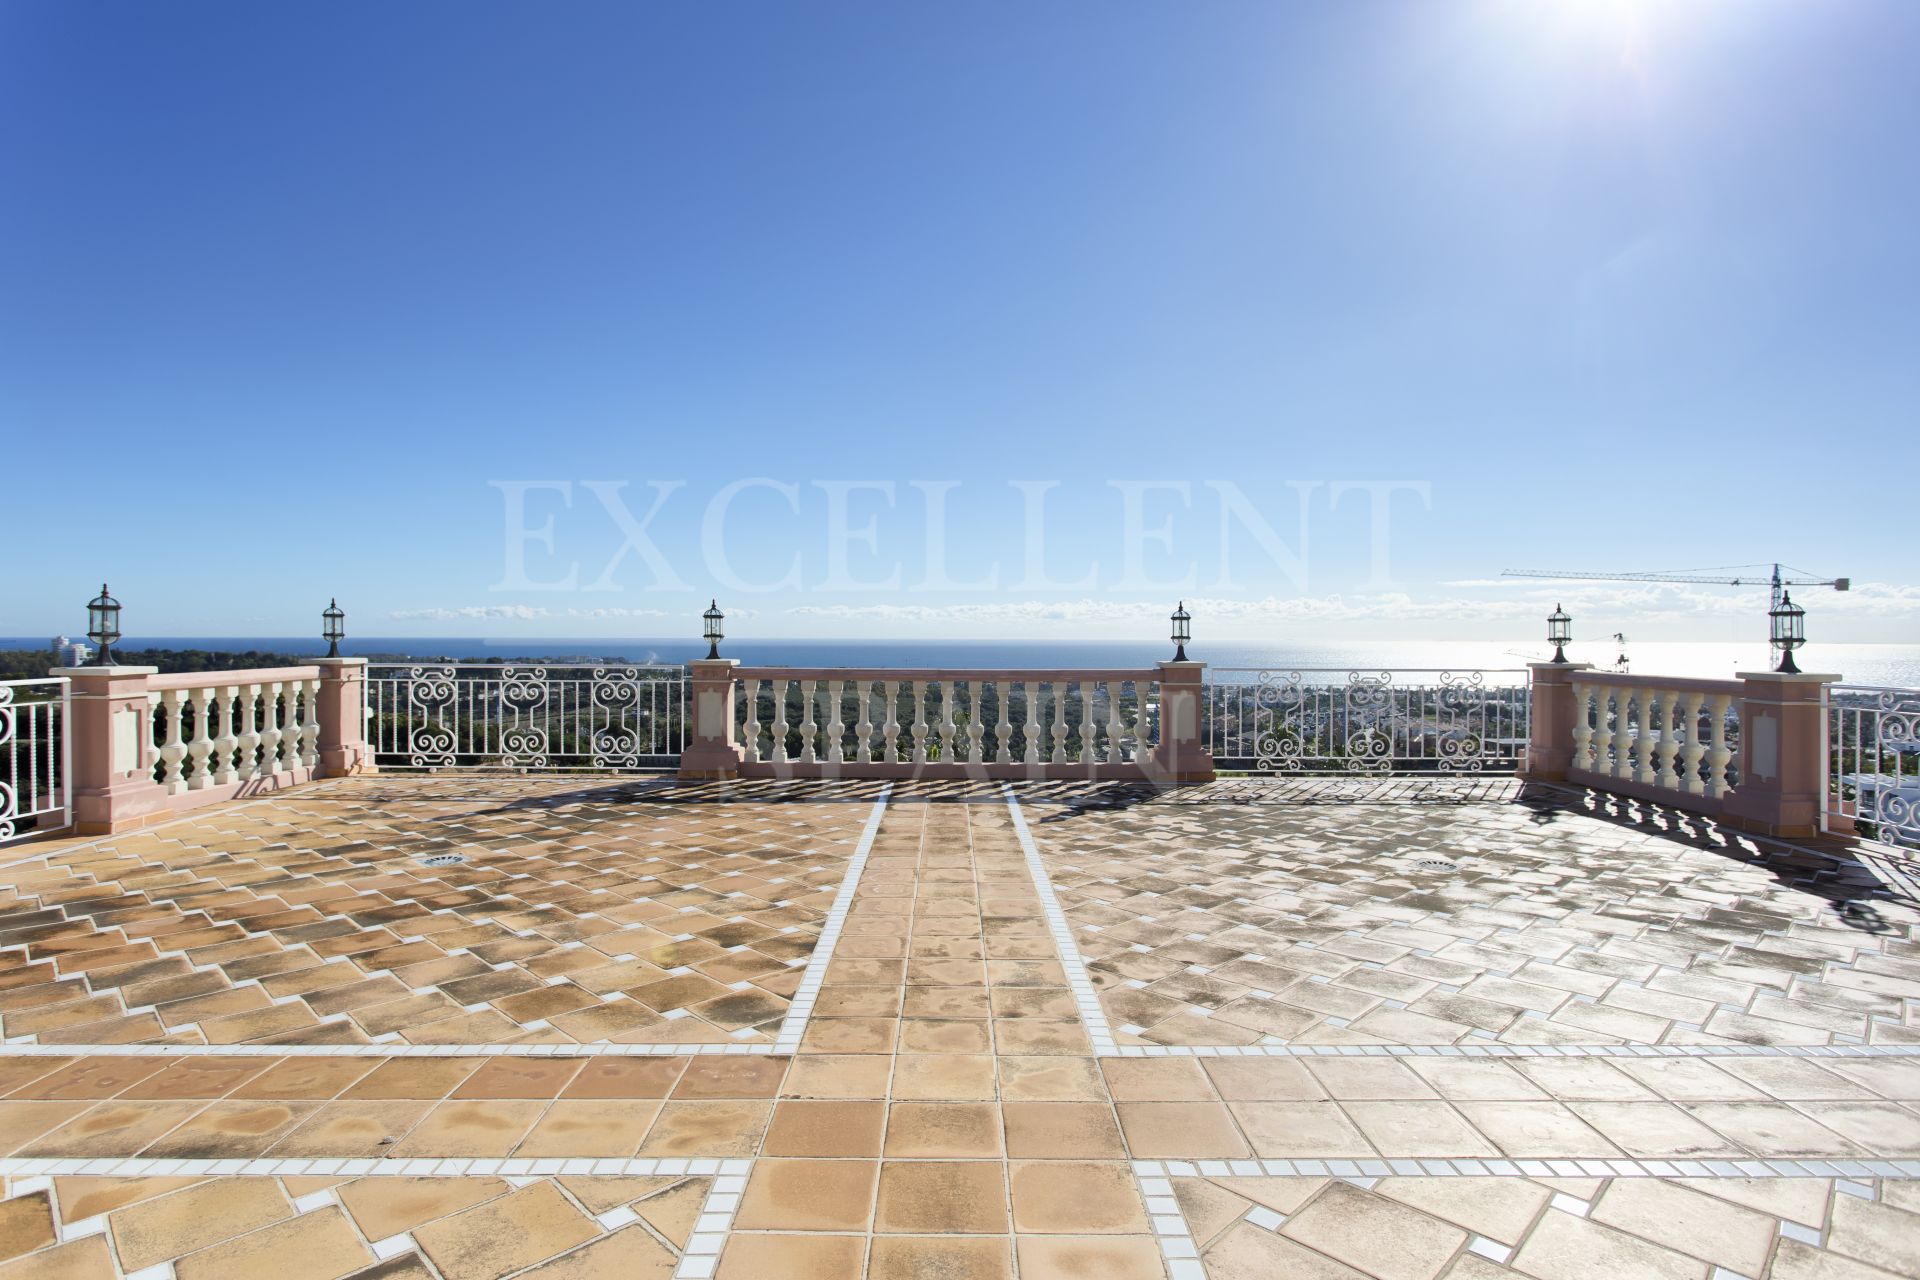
1023, 723
1668, 737
211, 732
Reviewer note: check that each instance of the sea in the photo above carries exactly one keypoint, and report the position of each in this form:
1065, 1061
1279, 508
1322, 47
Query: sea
1896, 665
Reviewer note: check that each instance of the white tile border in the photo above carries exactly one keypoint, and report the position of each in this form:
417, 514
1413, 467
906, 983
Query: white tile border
794, 1025
1092, 1016
1370, 1169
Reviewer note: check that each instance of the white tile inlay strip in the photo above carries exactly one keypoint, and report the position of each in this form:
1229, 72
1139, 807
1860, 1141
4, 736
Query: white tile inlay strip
794, 1025
1484, 1168
1092, 1016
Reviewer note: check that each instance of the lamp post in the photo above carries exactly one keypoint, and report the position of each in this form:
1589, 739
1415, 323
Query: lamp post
713, 635
1182, 631
1789, 632
1559, 631
103, 625
333, 627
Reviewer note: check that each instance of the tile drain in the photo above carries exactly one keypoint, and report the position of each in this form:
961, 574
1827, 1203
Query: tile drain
443, 860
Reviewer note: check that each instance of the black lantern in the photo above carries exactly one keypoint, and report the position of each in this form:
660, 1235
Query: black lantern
1789, 632
713, 618
1182, 632
1559, 631
333, 627
103, 625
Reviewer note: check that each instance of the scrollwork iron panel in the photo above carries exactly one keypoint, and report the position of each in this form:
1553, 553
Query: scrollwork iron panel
547, 718
1320, 720
34, 790
1873, 771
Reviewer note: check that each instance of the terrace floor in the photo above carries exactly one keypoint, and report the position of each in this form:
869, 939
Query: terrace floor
1337, 1028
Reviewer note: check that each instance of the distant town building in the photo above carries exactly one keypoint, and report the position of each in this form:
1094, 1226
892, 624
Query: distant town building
70, 653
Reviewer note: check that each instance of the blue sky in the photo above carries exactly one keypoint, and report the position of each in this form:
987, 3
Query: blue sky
286, 291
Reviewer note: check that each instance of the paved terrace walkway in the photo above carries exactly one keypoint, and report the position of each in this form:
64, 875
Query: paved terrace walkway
468, 1028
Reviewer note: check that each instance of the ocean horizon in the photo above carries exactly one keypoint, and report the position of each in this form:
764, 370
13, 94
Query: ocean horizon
1877, 664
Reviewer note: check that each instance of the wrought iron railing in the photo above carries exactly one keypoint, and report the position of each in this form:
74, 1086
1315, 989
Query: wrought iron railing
34, 774
1335, 720
1873, 762
588, 717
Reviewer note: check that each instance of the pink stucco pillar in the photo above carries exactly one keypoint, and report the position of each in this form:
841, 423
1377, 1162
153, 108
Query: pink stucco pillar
1550, 722
1180, 757
343, 718
111, 734
1783, 754
711, 751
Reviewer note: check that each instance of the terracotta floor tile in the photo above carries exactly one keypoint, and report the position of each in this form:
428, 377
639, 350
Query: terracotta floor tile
944, 1077
618, 1077
1157, 1080
825, 1129
1062, 1131
505, 1077
939, 1197
26, 1224
792, 1257
315, 1246
602, 1127
516, 1230
306, 1078
730, 1077
471, 1127
808, 1195
946, 1257
950, 1130
945, 1035
199, 1078
1176, 1130
154, 1231
22, 1122
416, 1078
849, 1035
231, 1131
356, 1128
1040, 1036
113, 1128
1289, 1130
385, 1207
1537, 1130
1050, 1080
674, 1210
829, 1076
1375, 1235
101, 1077
707, 1129
1075, 1198
1417, 1129
87, 1258
89, 1197
1089, 1258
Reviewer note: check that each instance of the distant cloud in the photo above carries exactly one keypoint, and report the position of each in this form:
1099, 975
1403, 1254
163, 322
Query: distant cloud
535, 612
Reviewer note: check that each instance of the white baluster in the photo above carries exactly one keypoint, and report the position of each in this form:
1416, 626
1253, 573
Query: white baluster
200, 750
919, 731
836, 722
1719, 751
750, 728
1692, 749
290, 727
946, 720
890, 729
1030, 700
1620, 739
1089, 722
172, 749
244, 757
863, 732
1643, 741
1116, 721
1060, 720
310, 725
1582, 729
781, 690
1003, 731
1669, 748
975, 729
810, 727
225, 743
269, 728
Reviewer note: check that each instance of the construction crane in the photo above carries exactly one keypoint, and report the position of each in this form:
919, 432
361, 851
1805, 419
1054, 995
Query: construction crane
1777, 582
